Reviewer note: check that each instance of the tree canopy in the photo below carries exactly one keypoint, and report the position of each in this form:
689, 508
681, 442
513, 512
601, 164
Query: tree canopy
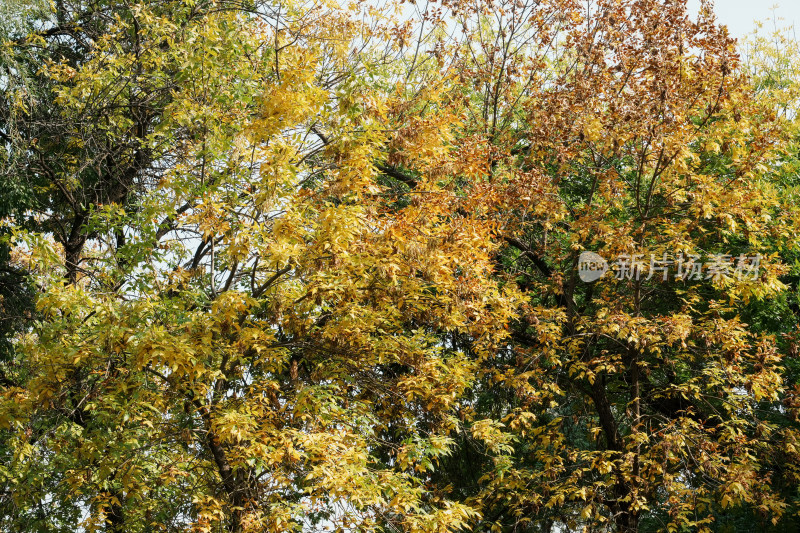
300, 266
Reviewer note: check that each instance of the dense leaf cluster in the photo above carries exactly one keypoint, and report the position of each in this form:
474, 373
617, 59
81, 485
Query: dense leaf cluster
270, 266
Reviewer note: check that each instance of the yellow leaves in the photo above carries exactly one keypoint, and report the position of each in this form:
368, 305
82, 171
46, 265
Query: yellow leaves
521, 422
423, 454
327, 327
291, 102
604, 467
732, 495
233, 427
436, 382
491, 433
593, 130
210, 511
556, 500
424, 142
712, 146
271, 322
449, 517
586, 512
230, 306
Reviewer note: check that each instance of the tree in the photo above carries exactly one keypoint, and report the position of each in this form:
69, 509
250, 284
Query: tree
231, 314
296, 268
624, 128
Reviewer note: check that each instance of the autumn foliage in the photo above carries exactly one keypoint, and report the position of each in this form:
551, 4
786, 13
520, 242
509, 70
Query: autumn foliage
288, 266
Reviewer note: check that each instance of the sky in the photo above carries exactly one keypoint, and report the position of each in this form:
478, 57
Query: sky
739, 15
